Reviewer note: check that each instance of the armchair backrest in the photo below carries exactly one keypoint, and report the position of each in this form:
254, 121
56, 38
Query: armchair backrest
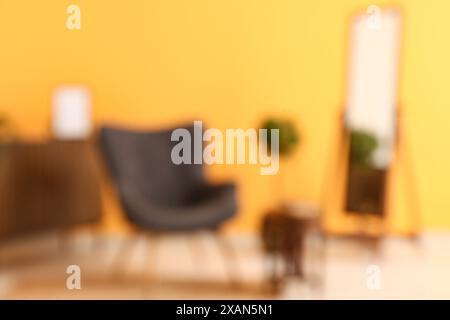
141, 161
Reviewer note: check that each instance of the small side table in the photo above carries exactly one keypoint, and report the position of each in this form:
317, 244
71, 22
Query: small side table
284, 233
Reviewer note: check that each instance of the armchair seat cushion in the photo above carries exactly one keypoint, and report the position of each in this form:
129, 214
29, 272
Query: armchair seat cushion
207, 211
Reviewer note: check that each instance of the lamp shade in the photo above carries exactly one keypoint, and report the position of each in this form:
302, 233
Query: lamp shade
71, 113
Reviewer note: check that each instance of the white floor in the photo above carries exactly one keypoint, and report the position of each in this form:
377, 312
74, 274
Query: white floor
192, 266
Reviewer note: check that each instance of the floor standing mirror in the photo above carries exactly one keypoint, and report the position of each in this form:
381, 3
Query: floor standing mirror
371, 109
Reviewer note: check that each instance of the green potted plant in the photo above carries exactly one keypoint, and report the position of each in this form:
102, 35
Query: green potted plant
288, 135
362, 146
289, 139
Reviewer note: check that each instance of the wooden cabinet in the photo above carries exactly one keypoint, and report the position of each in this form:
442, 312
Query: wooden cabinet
47, 186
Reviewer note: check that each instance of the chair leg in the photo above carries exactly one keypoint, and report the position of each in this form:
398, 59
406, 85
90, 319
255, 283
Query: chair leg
120, 260
150, 257
318, 260
197, 252
275, 274
230, 258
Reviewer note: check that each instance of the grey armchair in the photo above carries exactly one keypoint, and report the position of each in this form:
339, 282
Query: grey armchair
155, 193
159, 196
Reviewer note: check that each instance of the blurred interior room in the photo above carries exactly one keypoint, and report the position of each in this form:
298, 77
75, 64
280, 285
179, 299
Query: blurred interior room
96, 96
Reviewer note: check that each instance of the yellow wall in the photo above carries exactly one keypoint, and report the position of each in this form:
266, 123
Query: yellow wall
231, 62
